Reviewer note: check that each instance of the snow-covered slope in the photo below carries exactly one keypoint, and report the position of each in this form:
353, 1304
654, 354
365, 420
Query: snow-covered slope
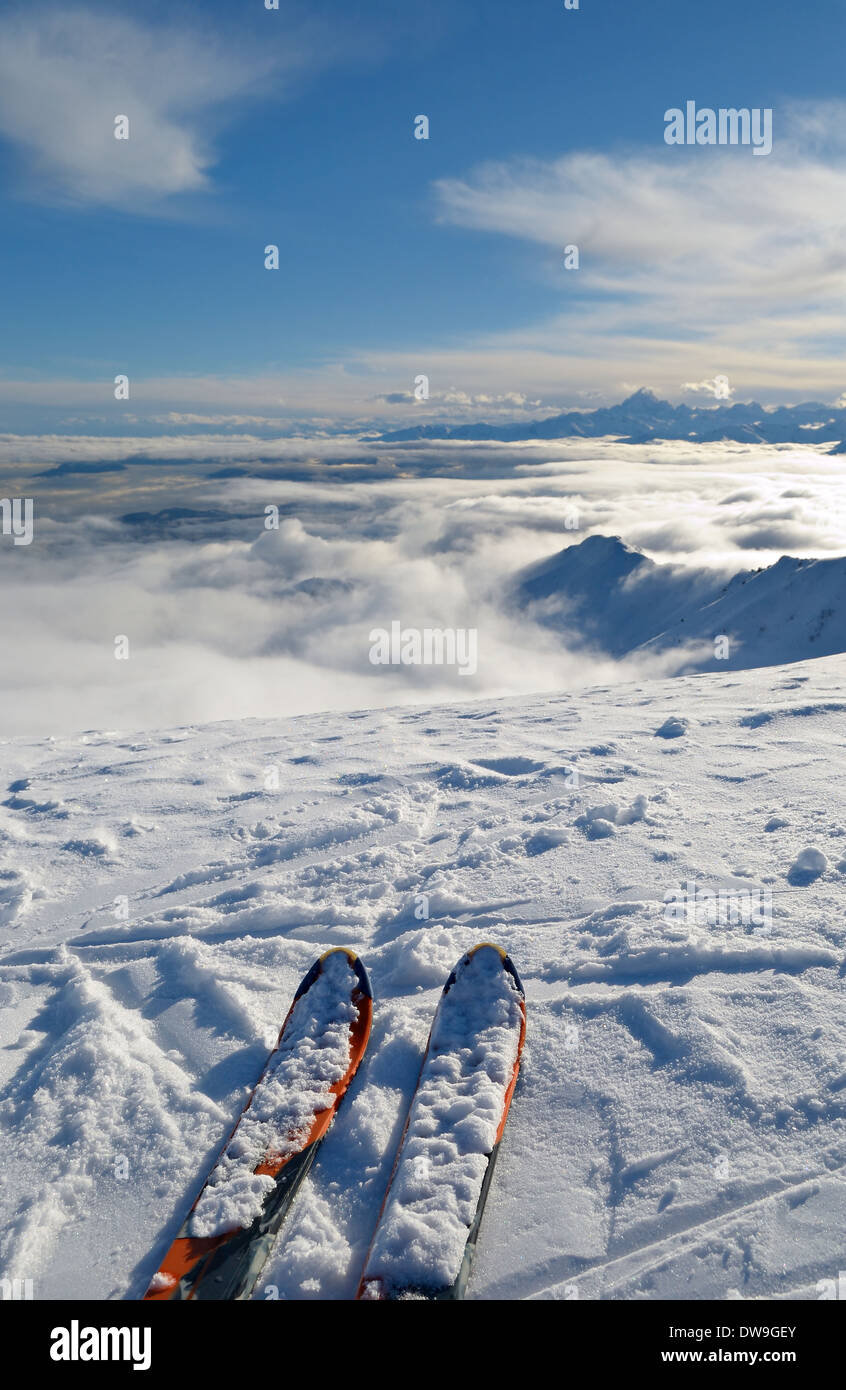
788, 612
612, 596
679, 1128
609, 595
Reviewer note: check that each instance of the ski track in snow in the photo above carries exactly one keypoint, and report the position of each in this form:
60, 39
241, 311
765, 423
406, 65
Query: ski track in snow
679, 1127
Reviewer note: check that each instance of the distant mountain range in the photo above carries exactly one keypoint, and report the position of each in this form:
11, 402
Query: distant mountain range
643, 417
608, 596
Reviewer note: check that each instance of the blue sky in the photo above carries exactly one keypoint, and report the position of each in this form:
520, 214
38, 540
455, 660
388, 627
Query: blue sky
401, 256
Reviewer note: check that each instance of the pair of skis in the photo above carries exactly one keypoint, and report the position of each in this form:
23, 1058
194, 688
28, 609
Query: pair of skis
425, 1239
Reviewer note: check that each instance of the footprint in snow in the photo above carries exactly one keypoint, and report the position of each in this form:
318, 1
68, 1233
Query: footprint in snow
509, 767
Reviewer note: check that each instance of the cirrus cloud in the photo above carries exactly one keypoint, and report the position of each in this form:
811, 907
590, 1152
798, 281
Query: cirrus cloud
67, 73
696, 258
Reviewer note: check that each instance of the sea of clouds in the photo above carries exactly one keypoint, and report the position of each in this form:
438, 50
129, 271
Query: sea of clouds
168, 545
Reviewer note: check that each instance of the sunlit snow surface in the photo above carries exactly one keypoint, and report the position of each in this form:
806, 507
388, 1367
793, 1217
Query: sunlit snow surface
679, 1128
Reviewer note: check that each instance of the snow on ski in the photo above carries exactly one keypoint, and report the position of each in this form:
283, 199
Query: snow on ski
228, 1234
426, 1236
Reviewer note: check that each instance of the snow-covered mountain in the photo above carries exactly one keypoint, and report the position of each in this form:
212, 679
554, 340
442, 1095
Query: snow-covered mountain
611, 596
644, 416
679, 1127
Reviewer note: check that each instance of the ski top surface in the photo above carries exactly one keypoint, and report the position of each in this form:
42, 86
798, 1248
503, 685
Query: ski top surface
425, 1240
223, 1243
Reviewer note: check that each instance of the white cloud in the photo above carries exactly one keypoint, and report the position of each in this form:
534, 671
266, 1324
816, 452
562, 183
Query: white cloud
65, 74
746, 253
706, 226
227, 619
717, 386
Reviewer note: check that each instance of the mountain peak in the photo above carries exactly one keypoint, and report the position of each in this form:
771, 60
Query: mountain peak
611, 596
607, 545
643, 417
583, 571
644, 396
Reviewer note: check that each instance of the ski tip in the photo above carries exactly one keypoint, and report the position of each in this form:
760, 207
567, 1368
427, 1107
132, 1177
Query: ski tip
507, 965
358, 966
487, 946
355, 962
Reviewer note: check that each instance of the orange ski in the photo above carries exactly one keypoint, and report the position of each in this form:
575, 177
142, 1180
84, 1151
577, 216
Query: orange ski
425, 1240
229, 1232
